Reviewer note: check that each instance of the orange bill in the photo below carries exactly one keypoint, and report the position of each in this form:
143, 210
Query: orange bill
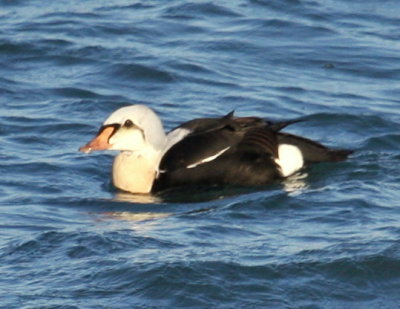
100, 142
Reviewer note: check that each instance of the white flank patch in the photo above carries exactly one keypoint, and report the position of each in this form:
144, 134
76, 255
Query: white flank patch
290, 159
208, 159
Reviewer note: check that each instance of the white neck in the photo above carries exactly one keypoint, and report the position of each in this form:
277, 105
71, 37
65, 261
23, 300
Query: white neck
135, 171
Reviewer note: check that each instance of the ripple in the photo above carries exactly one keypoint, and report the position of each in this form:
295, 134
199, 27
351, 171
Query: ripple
193, 10
18, 49
75, 93
139, 72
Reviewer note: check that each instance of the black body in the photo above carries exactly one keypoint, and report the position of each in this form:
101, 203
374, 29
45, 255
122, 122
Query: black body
242, 151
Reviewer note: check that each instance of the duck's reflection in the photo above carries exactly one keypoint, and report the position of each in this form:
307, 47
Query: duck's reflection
151, 207
137, 207
137, 198
131, 216
296, 183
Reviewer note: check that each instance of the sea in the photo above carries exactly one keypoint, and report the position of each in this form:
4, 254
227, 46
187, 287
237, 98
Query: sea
326, 238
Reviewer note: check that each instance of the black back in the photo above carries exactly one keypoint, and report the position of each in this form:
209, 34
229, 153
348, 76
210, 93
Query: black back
246, 149
238, 151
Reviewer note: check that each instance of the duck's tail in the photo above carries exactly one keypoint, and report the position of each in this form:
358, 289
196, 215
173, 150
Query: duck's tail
312, 151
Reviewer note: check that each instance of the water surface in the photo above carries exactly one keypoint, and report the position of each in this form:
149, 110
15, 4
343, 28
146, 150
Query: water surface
328, 238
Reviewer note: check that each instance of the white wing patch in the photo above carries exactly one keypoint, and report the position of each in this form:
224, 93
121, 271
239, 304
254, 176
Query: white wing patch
208, 159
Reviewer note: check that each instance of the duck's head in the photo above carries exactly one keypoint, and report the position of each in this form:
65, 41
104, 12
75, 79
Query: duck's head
130, 128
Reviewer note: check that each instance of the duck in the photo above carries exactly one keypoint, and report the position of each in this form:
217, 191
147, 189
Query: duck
225, 150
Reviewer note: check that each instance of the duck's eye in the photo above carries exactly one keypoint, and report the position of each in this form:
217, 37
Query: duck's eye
128, 123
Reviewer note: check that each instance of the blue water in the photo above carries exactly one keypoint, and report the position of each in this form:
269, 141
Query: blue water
327, 238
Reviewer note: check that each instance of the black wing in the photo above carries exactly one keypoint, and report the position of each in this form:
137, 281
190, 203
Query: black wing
208, 137
249, 159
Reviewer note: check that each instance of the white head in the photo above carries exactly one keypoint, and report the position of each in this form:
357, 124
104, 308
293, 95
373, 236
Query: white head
130, 128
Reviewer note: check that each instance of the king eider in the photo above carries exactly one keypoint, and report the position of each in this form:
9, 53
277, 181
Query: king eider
246, 151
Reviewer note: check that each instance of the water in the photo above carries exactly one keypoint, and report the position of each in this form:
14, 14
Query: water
327, 238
